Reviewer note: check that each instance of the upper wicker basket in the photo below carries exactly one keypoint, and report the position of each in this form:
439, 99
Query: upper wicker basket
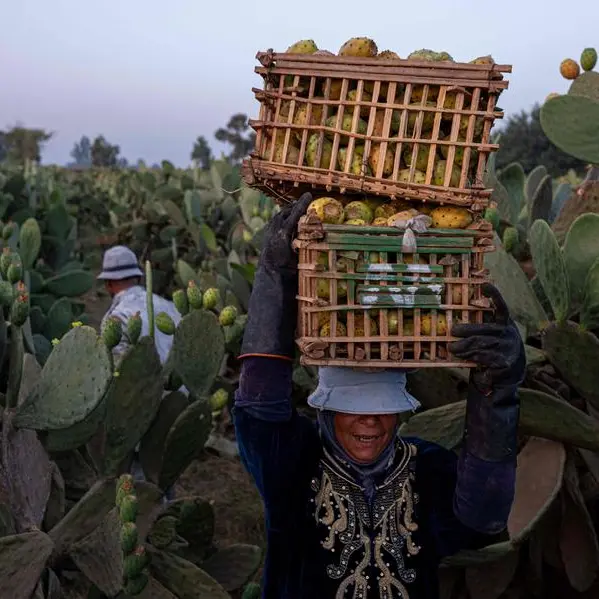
421, 129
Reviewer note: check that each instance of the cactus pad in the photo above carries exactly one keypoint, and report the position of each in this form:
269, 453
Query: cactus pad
539, 478
589, 313
22, 560
132, 402
70, 284
198, 350
541, 415
58, 401
541, 201
30, 241
151, 449
574, 353
581, 248
587, 85
185, 441
550, 267
234, 565
86, 515
515, 287
572, 124
513, 179
78, 434
98, 555
184, 579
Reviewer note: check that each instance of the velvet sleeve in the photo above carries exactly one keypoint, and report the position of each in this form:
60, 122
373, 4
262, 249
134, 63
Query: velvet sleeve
277, 446
451, 486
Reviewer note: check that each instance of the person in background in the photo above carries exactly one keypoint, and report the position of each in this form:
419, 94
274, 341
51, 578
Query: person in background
353, 509
122, 278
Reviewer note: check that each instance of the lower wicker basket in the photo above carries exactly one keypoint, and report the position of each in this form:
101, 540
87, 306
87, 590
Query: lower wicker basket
363, 302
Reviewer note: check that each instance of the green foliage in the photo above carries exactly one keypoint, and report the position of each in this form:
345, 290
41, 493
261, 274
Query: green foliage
523, 140
70, 428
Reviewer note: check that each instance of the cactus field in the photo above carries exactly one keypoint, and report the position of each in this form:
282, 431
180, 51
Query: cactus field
73, 416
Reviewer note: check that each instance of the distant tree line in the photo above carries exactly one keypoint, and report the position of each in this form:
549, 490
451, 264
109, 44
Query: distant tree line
522, 140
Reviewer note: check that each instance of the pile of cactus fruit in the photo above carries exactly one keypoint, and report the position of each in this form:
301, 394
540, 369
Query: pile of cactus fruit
70, 503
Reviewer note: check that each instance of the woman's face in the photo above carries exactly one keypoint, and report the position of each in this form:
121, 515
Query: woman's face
364, 437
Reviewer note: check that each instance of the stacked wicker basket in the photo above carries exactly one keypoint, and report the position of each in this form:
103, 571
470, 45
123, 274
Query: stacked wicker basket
406, 141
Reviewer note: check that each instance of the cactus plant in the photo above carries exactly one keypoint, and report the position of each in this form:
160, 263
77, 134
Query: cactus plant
81, 421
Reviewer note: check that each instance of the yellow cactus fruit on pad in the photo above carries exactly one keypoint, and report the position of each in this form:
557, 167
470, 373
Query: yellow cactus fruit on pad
450, 217
359, 47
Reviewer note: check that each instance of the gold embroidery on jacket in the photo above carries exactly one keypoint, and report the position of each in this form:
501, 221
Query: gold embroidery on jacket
341, 507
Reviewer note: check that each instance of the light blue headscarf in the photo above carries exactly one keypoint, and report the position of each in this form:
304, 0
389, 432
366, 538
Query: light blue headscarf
358, 392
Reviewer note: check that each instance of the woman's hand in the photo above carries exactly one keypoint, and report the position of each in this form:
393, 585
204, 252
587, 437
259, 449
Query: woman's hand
272, 312
495, 346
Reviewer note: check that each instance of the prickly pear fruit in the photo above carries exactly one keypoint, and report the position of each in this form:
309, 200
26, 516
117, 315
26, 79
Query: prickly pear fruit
135, 562
134, 328
450, 217
19, 310
355, 222
325, 330
8, 230
488, 59
194, 295
426, 324
358, 46
7, 293
165, 324
134, 586
492, 216
163, 532
328, 210
379, 221
569, 69
227, 316
128, 508
303, 47
180, 301
312, 152
124, 487
251, 591
510, 239
358, 210
30, 241
211, 298
388, 55
112, 332
5, 260
219, 400
15, 270
588, 59
129, 537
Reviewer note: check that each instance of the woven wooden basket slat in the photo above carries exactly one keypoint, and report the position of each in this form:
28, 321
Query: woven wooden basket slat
403, 114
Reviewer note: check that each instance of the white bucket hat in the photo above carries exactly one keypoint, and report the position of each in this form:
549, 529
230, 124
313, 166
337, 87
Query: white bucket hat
343, 389
119, 263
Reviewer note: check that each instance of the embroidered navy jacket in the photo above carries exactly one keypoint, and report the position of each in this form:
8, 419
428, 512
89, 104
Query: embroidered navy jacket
324, 540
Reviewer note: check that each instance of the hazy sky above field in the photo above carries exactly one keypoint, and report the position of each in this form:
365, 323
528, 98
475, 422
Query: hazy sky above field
151, 75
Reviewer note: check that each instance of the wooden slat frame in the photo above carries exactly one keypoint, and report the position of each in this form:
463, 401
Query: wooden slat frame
382, 92
387, 346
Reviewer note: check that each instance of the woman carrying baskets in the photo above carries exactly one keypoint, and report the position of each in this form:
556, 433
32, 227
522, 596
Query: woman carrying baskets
353, 509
